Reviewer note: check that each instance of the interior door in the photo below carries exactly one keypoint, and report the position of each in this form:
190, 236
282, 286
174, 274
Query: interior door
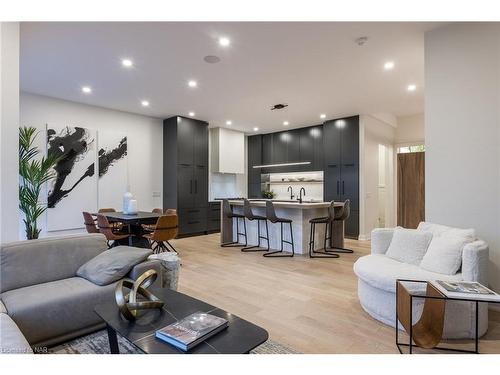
411, 189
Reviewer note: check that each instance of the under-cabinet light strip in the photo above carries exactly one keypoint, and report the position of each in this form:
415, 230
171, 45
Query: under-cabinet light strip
281, 165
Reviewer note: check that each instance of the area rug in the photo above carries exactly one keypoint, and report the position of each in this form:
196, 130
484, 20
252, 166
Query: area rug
97, 343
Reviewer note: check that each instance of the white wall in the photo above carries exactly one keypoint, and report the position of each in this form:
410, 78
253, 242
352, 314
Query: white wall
373, 132
462, 103
144, 141
410, 130
227, 185
9, 130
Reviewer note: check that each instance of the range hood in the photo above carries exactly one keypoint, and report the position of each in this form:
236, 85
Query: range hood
281, 164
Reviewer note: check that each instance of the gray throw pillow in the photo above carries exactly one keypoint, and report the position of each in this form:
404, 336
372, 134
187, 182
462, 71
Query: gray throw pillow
112, 265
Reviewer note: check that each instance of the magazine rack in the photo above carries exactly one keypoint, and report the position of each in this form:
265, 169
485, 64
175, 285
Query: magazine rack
428, 331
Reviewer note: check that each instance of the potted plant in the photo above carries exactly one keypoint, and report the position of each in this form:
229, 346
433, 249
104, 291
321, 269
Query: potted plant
33, 173
268, 194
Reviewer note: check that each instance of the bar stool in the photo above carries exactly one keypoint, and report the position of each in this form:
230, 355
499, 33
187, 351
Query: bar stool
271, 216
343, 215
328, 220
228, 212
247, 210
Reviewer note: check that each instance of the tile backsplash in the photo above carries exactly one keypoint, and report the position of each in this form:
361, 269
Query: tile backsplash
312, 182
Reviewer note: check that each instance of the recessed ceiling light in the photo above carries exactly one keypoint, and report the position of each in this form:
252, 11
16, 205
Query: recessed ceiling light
86, 89
192, 83
256, 129
389, 65
224, 41
191, 114
322, 115
411, 87
145, 103
286, 123
127, 63
229, 122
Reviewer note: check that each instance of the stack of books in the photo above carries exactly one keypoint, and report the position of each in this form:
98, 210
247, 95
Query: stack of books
466, 289
192, 330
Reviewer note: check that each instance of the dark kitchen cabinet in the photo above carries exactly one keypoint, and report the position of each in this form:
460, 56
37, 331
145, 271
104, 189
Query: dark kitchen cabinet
267, 149
254, 147
279, 150
213, 217
185, 172
311, 148
292, 139
341, 160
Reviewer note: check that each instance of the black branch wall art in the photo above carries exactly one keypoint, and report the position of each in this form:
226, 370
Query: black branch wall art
108, 157
73, 144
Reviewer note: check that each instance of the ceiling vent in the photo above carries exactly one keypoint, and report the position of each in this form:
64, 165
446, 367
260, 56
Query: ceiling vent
361, 40
211, 59
279, 106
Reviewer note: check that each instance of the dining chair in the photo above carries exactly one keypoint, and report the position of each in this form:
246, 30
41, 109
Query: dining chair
117, 225
89, 222
161, 211
107, 229
165, 230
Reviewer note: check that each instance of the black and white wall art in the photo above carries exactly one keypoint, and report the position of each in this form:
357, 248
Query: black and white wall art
74, 189
113, 168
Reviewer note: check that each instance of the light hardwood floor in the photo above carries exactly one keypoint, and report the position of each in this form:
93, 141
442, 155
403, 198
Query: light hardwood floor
308, 304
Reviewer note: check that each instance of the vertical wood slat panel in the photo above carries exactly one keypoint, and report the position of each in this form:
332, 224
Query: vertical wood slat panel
411, 189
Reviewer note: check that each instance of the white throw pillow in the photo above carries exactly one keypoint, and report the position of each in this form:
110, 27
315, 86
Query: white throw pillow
438, 230
409, 245
445, 253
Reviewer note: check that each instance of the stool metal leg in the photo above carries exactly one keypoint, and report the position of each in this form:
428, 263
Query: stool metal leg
316, 253
280, 253
238, 234
259, 237
337, 249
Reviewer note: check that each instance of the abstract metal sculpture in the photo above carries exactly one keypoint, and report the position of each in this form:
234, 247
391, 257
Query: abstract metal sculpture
128, 303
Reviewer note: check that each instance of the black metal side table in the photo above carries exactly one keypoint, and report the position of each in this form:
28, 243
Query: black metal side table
436, 297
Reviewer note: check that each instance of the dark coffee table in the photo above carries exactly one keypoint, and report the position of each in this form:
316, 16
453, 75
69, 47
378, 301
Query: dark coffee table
239, 337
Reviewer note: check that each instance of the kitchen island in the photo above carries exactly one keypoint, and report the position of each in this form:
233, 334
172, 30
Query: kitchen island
299, 213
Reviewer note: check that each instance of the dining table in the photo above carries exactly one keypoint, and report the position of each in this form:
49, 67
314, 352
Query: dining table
134, 223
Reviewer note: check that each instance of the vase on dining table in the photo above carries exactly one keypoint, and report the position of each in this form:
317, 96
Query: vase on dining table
127, 197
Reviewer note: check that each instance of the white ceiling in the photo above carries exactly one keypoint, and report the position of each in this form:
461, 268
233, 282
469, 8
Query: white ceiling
314, 67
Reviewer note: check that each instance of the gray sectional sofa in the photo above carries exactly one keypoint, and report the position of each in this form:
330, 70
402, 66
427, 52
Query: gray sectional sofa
42, 300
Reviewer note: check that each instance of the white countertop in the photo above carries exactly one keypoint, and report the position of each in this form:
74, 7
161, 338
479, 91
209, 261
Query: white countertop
285, 204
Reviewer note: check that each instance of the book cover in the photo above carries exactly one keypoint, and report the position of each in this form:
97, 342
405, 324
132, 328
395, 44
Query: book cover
191, 330
466, 290
465, 287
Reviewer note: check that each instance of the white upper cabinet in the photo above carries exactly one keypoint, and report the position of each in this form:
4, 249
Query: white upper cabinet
227, 151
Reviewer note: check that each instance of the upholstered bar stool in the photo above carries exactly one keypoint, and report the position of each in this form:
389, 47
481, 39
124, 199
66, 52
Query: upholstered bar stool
343, 215
247, 210
228, 212
327, 220
271, 216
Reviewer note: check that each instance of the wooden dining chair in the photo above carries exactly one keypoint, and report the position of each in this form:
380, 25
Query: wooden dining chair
165, 230
107, 229
89, 222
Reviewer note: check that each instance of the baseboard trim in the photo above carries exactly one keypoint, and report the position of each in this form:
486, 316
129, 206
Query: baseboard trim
363, 237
